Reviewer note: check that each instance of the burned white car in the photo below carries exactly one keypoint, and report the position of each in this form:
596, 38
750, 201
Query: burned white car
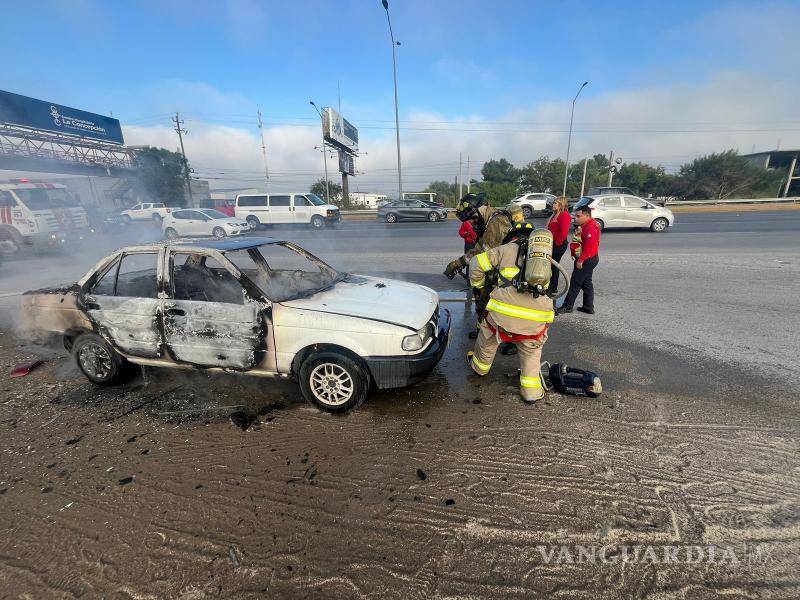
262, 307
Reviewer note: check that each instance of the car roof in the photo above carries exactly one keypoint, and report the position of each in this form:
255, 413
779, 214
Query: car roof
225, 245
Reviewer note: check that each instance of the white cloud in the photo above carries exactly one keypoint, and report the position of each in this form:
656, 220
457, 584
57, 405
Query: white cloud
665, 124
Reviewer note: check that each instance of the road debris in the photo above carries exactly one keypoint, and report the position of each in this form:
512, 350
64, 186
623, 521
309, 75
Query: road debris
23, 370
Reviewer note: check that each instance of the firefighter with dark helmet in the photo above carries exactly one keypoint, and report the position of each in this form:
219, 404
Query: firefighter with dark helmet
491, 224
514, 314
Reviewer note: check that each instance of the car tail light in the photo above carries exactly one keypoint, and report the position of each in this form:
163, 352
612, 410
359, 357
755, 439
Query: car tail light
169, 210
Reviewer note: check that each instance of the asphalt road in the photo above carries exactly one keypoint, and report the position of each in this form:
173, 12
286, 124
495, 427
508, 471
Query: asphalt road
721, 284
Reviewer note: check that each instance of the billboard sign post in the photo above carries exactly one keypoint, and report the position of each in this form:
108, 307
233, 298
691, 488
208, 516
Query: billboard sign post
49, 116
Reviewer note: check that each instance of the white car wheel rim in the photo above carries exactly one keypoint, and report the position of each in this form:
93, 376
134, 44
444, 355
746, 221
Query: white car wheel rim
95, 360
331, 384
659, 225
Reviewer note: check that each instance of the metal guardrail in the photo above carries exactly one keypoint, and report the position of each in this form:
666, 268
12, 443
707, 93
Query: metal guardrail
732, 201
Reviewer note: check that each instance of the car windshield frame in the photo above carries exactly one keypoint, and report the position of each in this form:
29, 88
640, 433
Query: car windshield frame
585, 201
208, 211
35, 204
314, 199
264, 269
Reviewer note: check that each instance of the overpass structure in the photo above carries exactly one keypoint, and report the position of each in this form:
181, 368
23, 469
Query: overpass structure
27, 149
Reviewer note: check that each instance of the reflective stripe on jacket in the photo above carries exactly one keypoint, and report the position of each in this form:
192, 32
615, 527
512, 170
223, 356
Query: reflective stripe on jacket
513, 311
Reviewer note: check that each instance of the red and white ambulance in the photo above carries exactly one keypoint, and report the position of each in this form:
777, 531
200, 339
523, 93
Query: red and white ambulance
39, 214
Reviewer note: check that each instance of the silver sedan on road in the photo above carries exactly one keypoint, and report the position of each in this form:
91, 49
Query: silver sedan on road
627, 211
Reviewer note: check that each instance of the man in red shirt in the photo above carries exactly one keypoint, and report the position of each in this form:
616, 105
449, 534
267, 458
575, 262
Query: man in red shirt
586, 254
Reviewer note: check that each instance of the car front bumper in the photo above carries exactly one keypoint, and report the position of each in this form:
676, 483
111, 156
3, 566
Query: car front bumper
400, 371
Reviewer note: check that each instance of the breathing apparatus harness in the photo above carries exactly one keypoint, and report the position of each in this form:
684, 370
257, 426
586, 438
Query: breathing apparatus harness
534, 258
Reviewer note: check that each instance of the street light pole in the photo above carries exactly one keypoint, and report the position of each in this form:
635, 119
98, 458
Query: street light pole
569, 139
324, 154
396, 110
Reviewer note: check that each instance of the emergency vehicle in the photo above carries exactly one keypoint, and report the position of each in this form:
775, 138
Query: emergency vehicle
38, 214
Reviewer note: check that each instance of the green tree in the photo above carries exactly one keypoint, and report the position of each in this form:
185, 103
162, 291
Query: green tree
160, 175
726, 175
643, 179
500, 171
497, 194
318, 188
543, 175
445, 192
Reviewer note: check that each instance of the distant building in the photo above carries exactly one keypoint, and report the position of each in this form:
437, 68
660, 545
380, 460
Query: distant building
367, 200
780, 159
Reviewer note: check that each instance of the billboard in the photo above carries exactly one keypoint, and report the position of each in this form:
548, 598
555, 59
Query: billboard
38, 114
347, 163
339, 131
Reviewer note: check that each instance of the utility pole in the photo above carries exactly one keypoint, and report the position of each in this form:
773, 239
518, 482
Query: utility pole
583, 181
180, 131
460, 181
610, 168
396, 110
468, 173
263, 147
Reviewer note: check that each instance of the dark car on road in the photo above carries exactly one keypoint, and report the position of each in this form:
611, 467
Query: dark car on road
399, 210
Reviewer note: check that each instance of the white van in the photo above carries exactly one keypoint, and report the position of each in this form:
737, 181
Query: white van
269, 209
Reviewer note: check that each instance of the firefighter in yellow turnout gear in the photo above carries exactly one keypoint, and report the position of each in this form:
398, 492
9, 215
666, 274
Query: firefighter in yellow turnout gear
513, 316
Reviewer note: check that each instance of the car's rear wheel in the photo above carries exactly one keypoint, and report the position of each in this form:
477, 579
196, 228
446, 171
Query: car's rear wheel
171, 233
527, 212
433, 217
253, 221
97, 360
334, 382
156, 218
659, 225
218, 232
317, 222
391, 218
600, 224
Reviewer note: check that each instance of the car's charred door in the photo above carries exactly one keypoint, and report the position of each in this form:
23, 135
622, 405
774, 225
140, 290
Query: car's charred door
209, 319
122, 303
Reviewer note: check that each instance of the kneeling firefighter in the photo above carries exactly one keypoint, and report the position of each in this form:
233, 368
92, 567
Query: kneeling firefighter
492, 225
520, 308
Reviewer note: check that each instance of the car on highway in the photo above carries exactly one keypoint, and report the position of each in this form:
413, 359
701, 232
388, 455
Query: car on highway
199, 222
254, 306
402, 210
274, 209
146, 211
535, 204
627, 211
604, 191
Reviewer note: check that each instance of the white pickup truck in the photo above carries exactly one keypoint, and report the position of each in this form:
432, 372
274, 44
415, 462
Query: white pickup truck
146, 211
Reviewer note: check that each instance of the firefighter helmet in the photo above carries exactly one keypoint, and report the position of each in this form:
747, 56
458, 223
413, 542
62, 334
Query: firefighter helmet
468, 206
518, 230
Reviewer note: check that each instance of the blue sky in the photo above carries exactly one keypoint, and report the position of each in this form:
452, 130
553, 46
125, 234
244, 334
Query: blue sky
459, 62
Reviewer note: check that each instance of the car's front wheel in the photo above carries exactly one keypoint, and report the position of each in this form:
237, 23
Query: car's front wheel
171, 233
600, 224
317, 222
391, 218
126, 219
253, 221
218, 232
659, 225
433, 217
97, 360
334, 382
